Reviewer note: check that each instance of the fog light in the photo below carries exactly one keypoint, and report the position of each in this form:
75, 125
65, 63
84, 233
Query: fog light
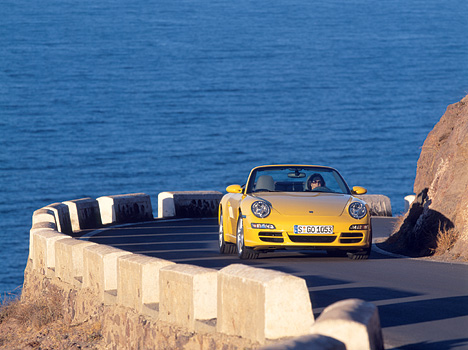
359, 227
264, 226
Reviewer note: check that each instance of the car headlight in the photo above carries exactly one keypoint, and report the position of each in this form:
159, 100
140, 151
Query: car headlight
357, 210
260, 209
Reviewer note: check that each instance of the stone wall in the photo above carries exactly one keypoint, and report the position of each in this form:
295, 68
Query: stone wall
146, 302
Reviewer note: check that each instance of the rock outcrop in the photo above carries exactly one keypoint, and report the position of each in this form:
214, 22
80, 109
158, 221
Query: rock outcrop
437, 222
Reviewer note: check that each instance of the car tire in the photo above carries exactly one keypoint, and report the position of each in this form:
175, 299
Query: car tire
224, 247
243, 252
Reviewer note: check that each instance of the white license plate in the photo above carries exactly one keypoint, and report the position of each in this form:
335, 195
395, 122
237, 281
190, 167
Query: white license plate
313, 229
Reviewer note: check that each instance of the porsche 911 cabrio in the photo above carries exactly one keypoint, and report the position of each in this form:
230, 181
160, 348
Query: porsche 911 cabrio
294, 207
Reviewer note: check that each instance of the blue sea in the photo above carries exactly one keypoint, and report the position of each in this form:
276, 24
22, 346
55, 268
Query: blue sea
112, 97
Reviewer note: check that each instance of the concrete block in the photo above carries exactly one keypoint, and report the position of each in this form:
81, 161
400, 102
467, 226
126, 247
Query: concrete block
187, 293
409, 201
354, 322
100, 269
166, 206
43, 242
307, 342
42, 219
189, 204
125, 208
62, 217
84, 214
261, 304
379, 205
69, 260
138, 280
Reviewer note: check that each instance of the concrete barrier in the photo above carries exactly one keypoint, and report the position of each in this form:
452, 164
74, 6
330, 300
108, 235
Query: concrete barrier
84, 214
187, 294
379, 205
189, 204
100, 271
354, 322
43, 242
409, 201
62, 217
42, 219
261, 304
240, 301
308, 342
138, 282
69, 260
125, 208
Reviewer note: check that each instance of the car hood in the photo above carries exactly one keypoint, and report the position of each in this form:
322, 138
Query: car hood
302, 203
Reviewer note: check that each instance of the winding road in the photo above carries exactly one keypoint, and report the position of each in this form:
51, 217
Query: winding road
422, 304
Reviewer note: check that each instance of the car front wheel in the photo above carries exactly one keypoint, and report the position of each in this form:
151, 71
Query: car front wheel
243, 252
224, 247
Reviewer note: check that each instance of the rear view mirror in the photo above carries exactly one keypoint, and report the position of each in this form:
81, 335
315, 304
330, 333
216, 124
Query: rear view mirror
359, 190
234, 189
296, 175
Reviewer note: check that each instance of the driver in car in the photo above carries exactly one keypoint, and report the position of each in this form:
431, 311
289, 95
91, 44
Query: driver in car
314, 181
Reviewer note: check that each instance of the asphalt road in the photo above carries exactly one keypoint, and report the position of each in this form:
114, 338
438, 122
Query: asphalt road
422, 304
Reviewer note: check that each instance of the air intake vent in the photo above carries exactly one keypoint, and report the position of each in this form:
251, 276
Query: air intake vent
271, 237
270, 234
351, 237
312, 239
272, 240
350, 240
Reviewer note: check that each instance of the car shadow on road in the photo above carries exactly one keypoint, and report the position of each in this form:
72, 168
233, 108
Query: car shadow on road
440, 345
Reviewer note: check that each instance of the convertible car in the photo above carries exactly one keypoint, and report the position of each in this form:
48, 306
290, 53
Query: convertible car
294, 207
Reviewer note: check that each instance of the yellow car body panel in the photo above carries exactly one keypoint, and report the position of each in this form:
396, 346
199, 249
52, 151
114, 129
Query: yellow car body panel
310, 210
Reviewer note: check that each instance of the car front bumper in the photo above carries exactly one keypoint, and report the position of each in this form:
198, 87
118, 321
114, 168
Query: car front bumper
283, 236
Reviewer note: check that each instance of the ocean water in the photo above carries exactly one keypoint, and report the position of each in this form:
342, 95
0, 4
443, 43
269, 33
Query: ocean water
112, 97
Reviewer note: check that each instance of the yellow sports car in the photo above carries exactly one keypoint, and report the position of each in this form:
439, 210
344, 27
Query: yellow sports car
294, 207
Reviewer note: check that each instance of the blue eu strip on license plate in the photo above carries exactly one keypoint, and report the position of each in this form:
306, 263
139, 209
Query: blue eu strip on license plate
313, 229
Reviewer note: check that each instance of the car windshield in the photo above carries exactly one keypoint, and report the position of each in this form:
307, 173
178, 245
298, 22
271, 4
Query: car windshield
296, 179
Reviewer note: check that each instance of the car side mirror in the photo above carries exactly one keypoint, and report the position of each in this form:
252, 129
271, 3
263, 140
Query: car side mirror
234, 189
359, 190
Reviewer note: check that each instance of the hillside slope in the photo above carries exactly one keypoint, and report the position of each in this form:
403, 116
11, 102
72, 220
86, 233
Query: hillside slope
437, 222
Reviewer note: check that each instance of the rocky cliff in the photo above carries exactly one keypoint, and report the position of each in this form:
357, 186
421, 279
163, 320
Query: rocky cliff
437, 222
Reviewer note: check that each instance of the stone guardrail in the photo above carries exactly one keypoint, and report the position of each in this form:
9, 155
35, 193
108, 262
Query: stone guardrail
184, 204
202, 204
259, 305
379, 205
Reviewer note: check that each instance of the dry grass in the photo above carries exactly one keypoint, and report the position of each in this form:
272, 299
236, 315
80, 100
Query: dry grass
43, 311
446, 239
40, 324
7, 304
